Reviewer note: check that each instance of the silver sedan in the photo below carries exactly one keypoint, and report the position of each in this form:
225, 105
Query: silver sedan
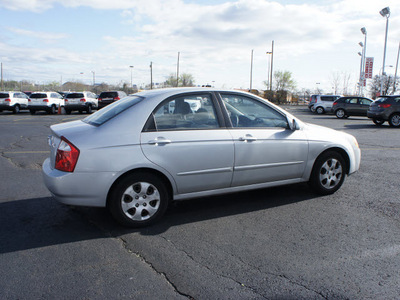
140, 153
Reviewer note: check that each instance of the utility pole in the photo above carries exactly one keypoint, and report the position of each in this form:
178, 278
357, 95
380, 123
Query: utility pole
251, 70
395, 72
272, 65
177, 71
2, 87
151, 75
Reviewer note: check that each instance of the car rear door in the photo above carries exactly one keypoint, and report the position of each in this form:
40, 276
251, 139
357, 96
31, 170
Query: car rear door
266, 150
192, 146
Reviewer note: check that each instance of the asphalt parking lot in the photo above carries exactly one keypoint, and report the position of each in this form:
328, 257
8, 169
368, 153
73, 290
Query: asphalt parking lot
277, 243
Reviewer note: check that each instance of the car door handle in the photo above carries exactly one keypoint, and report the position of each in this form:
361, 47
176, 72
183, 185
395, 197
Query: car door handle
159, 141
247, 138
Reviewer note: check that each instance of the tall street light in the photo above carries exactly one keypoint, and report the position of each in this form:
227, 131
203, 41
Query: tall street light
269, 66
360, 81
384, 13
364, 32
131, 67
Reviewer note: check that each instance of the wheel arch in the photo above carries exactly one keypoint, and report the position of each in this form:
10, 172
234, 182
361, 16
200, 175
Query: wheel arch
154, 172
342, 153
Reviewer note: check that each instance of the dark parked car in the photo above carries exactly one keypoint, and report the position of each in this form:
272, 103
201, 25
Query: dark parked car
106, 98
351, 106
385, 108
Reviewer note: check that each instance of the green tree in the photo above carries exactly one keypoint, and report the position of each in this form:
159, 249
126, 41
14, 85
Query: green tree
284, 81
185, 79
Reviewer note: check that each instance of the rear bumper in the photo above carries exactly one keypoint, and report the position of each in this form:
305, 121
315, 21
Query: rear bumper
85, 191
377, 115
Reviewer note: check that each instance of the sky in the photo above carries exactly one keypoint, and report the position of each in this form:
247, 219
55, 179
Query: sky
72, 40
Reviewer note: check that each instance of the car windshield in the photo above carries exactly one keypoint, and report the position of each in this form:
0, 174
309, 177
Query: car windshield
75, 95
110, 111
38, 95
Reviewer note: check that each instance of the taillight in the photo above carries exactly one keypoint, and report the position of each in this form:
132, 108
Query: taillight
67, 156
386, 105
66, 100
7, 100
45, 100
117, 98
334, 103
29, 100
83, 100
100, 99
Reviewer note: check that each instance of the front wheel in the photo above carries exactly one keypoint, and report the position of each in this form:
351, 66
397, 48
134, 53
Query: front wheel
340, 114
328, 173
378, 121
89, 109
320, 110
16, 109
394, 120
138, 200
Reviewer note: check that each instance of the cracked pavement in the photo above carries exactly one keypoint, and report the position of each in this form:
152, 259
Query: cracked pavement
278, 243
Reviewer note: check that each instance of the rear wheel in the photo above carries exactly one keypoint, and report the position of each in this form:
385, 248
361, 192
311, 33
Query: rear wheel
320, 110
89, 109
32, 111
378, 121
394, 120
340, 113
328, 173
67, 111
16, 109
52, 110
138, 200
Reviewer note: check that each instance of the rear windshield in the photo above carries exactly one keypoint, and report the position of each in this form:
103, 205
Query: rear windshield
75, 95
108, 95
110, 111
38, 95
4, 95
383, 99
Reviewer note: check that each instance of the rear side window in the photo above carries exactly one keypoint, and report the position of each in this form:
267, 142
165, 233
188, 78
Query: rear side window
38, 96
330, 99
110, 111
4, 95
75, 95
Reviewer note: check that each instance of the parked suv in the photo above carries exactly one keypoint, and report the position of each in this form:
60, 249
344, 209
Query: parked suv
13, 101
81, 101
313, 98
323, 103
106, 98
351, 106
47, 101
385, 108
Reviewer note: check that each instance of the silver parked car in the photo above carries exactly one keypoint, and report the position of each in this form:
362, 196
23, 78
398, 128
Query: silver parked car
138, 154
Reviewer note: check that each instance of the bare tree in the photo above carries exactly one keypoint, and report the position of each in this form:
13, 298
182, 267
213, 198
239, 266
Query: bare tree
335, 80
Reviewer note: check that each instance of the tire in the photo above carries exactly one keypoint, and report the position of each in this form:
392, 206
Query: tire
52, 110
138, 200
16, 109
394, 120
89, 109
340, 113
32, 111
312, 109
320, 110
378, 121
328, 173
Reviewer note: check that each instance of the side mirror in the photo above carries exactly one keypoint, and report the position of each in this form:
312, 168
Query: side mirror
293, 124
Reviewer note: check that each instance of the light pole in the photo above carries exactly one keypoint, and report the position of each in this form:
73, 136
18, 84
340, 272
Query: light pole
272, 65
395, 72
364, 32
360, 81
251, 69
269, 66
384, 13
131, 67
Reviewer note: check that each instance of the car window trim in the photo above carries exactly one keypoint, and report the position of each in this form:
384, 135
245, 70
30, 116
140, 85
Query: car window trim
228, 120
220, 119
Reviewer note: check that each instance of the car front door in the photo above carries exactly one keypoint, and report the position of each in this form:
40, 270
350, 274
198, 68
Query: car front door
184, 137
364, 104
266, 150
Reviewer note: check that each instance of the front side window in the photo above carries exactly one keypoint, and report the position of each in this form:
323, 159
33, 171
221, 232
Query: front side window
365, 101
248, 112
187, 112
